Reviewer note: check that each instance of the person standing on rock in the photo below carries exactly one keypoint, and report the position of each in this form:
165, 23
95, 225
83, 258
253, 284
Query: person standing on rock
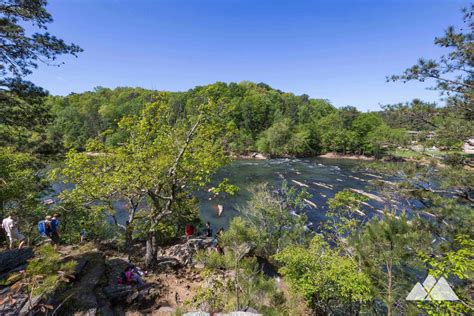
56, 237
49, 231
189, 231
208, 230
10, 225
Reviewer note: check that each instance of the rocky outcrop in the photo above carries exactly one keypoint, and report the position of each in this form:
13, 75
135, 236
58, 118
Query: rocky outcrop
11, 259
12, 302
183, 253
129, 295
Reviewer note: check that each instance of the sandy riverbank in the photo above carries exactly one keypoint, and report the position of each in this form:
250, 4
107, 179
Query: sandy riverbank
352, 157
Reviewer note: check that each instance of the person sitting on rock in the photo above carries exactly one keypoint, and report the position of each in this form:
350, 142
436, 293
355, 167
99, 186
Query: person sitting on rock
10, 225
131, 275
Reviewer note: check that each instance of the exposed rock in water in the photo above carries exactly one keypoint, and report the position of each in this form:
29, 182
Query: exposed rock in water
11, 259
301, 184
369, 195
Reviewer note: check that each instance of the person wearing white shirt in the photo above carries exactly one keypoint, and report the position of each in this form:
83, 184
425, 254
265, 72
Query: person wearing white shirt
10, 226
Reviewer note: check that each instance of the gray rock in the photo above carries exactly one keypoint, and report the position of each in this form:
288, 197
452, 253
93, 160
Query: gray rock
17, 269
12, 308
168, 263
184, 252
117, 293
11, 259
30, 305
166, 309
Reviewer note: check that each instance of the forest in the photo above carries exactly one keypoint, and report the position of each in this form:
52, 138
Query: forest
153, 150
263, 119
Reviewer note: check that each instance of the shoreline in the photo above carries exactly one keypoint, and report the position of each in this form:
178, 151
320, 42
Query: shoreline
331, 155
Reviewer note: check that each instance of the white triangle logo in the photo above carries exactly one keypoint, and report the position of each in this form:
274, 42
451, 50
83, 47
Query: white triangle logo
432, 289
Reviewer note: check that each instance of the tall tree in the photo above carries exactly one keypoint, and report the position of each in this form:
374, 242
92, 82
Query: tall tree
166, 156
453, 72
21, 102
385, 249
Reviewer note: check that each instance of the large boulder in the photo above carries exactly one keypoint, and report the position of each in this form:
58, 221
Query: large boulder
129, 295
11, 259
117, 293
184, 252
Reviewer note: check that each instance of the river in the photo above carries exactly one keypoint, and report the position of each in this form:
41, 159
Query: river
322, 178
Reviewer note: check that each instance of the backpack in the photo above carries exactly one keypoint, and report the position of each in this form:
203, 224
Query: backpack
54, 224
41, 228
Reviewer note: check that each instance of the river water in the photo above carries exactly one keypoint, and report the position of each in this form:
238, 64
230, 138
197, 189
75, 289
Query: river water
324, 177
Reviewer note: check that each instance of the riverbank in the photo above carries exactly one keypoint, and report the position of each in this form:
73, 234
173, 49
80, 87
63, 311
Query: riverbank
333, 155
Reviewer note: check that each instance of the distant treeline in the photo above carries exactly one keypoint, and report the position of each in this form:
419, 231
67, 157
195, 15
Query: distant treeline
265, 119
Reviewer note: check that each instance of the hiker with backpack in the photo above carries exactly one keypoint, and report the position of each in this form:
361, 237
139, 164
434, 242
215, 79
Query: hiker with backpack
48, 229
55, 236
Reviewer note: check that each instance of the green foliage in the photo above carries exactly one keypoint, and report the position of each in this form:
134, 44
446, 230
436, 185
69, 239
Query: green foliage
269, 214
25, 42
453, 77
233, 280
46, 271
458, 263
344, 215
328, 281
257, 112
20, 185
165, 158
385, 249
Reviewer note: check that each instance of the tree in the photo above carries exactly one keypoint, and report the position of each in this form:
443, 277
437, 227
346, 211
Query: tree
330, 283
242, 283
385, 249
166, 156
383, 139
458, 263
452, 74
275, 139
21, 102
272, 216
344, 216
20, 184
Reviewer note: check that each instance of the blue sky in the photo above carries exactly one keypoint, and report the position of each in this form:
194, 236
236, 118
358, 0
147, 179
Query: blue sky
337, 50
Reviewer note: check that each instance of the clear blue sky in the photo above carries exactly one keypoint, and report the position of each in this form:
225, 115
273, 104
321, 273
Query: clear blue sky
333, 49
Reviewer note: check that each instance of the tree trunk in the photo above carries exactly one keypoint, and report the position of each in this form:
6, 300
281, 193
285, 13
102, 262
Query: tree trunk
389, 288
151, 250
237, 285
128, 240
